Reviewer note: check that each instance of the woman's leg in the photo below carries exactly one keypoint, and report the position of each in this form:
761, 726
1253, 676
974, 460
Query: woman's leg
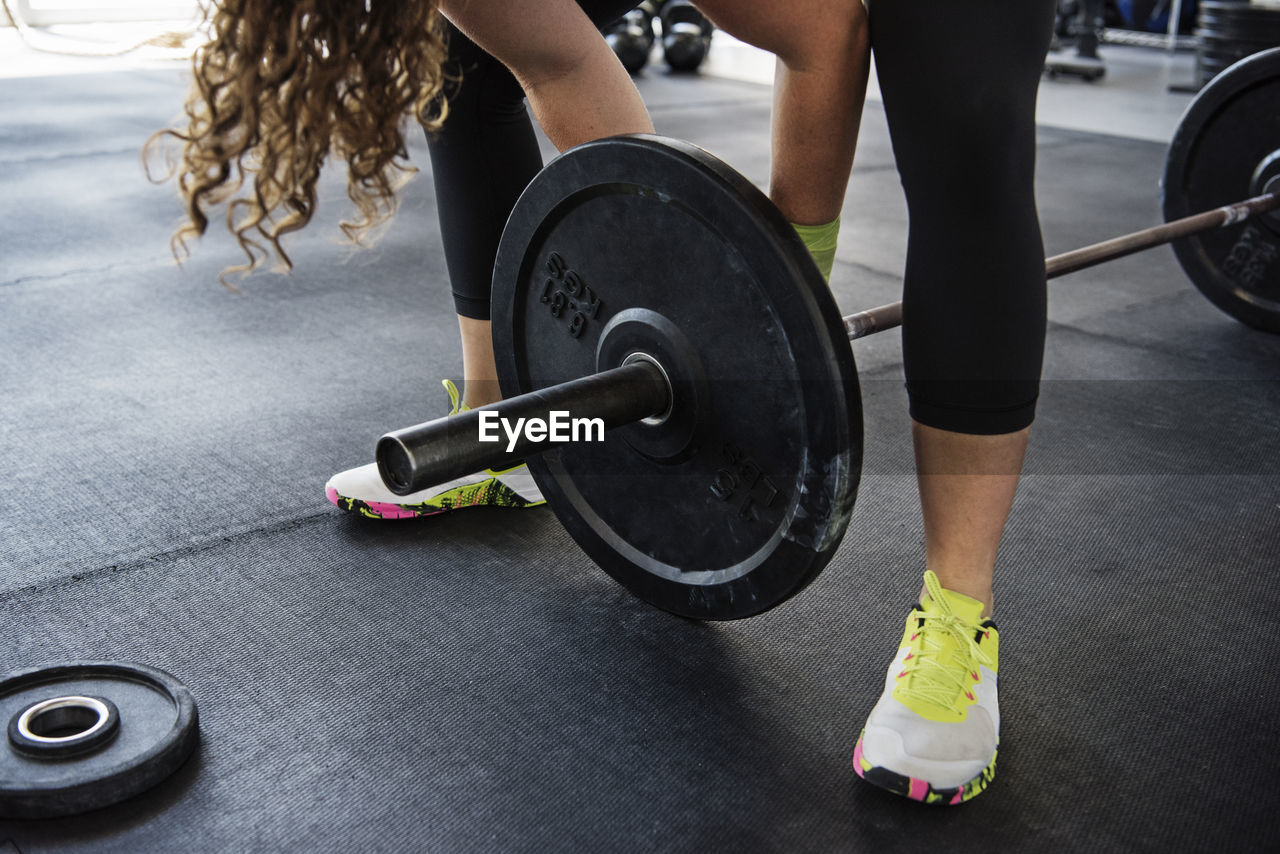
966, 485
577, 88
482, 159
959, 83
959, 86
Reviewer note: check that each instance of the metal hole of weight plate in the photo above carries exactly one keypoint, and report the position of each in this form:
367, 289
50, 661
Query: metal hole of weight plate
85, 735
644, 331
1225, 150
737, 500
64, 726
661, 417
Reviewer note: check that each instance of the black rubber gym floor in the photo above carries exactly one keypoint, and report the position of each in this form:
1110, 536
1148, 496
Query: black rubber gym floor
472, 682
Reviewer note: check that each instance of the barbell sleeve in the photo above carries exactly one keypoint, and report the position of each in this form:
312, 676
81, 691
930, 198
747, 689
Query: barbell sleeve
437, 451
879, 319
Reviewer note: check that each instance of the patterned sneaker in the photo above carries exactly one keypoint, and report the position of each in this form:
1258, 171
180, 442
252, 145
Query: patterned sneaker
934, 733
361, 490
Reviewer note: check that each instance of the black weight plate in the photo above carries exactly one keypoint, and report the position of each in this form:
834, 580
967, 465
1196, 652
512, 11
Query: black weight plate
156, 732
1211, 14
738, 499
1226, 135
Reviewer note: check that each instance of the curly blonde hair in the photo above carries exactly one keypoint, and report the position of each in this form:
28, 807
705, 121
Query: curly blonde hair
282, 83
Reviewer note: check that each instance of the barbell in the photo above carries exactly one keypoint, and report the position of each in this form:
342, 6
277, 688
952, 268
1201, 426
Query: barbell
717, 376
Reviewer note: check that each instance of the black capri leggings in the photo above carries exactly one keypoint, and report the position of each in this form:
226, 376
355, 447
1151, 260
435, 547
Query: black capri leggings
959, 83
483, 157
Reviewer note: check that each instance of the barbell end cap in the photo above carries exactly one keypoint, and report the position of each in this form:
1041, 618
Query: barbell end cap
395, 465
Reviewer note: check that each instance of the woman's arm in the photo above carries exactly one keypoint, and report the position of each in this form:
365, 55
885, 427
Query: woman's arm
577, 88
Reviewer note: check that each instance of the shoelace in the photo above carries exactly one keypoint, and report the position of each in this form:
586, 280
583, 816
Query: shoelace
455, 399
934, 679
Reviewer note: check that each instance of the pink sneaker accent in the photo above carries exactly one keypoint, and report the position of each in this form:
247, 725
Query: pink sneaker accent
390, 511
386, 511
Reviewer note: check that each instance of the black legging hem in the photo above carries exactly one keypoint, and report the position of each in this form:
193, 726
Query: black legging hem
974, 422
471, 307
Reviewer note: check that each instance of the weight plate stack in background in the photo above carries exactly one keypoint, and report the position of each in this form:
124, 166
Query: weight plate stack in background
1228, 31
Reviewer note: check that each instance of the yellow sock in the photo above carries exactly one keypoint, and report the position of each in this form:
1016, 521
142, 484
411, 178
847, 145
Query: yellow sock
820, 240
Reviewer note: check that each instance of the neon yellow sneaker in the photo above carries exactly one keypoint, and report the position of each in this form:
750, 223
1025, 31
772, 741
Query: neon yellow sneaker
361, 490
933, 736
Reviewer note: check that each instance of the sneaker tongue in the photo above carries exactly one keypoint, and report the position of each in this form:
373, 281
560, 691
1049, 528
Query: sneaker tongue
967, 609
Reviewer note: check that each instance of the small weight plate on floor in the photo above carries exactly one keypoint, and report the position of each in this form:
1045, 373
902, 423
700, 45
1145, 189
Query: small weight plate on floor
87, 734
736, 498
1225, 151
